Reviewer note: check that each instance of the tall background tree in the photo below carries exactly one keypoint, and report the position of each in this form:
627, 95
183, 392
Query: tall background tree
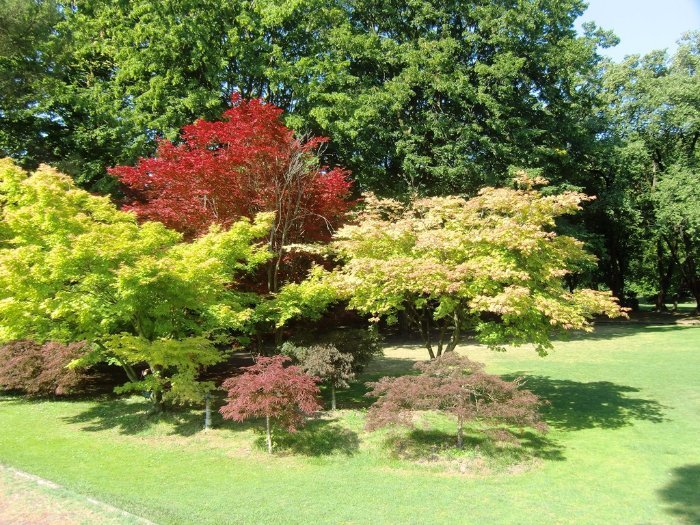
431, 96
652, 180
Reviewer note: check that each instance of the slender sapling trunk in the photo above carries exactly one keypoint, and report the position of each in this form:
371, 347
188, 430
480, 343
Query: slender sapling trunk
207, 412
269, 434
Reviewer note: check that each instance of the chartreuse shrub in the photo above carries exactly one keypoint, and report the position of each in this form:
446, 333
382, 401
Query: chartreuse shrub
75, 268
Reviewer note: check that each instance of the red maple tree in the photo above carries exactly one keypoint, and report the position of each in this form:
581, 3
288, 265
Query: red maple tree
245, 163
269, 389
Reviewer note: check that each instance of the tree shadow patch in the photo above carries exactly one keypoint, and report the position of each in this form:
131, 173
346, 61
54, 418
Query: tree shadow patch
320, 437
574, 405
132, 417
682, 494
483, 451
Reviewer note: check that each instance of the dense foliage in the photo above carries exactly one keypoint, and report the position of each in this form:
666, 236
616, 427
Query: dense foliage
433, 97
456, 386
41, 369
73, 267
492, 264
652, 180
437, 96
248, 162
361, 343
282, 394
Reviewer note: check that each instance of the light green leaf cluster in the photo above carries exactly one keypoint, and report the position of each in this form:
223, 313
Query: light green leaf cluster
73, 267
308, 299
492, 263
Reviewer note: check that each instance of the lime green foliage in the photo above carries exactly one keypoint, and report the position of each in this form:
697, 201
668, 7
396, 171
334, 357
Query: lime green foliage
73, 267
309, 299
492, 263
622, 449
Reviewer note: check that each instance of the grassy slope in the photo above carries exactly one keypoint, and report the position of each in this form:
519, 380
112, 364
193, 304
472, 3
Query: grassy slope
623, 449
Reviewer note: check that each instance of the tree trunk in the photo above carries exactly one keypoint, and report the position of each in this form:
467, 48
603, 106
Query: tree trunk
332, 397
696, 294
207, 412
456, 334
157, 400
404, 328
269, 434
665, 274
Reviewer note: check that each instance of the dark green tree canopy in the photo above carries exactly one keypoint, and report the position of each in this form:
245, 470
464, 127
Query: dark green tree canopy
431, 96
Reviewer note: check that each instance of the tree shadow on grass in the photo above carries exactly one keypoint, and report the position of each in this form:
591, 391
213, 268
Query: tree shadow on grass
132, 417
615, 330
320, 437
573, 405
435, 445
683, 494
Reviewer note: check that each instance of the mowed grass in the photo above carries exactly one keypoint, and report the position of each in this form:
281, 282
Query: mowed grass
624, 447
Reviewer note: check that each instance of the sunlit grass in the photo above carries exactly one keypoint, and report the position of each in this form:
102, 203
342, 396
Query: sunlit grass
622, 449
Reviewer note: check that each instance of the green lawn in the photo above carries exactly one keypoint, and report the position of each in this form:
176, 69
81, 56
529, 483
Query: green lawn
624, 448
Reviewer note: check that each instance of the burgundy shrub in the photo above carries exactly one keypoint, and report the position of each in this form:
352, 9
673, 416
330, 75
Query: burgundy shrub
281, 394
453, 385
40, 369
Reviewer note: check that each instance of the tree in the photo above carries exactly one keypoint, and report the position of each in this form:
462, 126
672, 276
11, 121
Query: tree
456, 386
677, 201
284, 395
325, 362
492, 264
655, 116
26, 69
75, 268
244, 164
41, 370
438, 97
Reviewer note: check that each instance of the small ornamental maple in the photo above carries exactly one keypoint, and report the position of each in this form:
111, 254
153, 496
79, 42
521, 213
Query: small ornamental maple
243, 164
456, 386
75, 268
327, 363
281, 394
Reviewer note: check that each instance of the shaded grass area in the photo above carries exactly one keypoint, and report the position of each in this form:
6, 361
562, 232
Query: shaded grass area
623, 411
682, 494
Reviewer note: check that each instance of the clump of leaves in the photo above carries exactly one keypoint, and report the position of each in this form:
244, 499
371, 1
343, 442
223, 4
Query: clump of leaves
41, 369
456, 386
243, 164
493, 264
74, 267
284, 395
362, 344
325, 362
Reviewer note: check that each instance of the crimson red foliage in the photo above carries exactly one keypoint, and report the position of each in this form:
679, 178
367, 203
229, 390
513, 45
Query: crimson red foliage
247, 162
285, 394
40, 370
